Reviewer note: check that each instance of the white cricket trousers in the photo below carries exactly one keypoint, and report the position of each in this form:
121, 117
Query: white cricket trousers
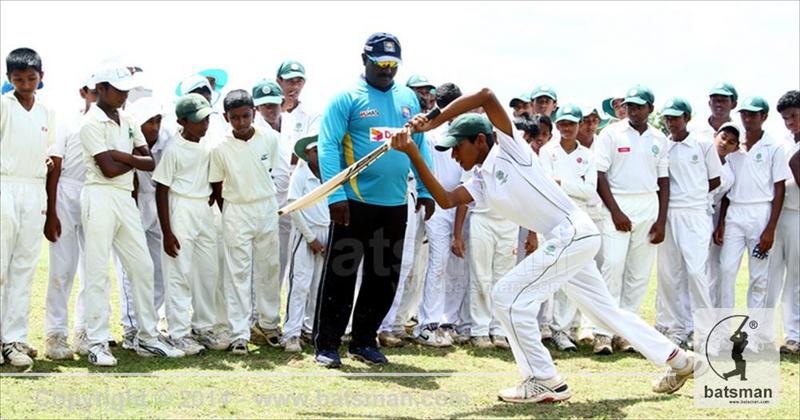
785, 261
23, 204
284, 233
714, 252
566, 260
491, 251
683, 285
439, 229
191, 278
303, 275
65, 260
744, 224
628, 256
112, 221
251, 238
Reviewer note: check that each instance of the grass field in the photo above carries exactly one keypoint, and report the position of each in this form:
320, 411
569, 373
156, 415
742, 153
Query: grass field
419, 382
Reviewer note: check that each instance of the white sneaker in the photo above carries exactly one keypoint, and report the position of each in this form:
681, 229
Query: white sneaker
585, 336
546, 332
56, 347
501, 342
481, 342
602, 344
562, 341
187, 345
210, 340
674, 379
17, 355
100, 355
156, 348
534, 390
239, 347
292, 345
129, 340
433, 338
80, 343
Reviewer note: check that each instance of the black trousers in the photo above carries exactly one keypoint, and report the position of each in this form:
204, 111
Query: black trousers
375, 234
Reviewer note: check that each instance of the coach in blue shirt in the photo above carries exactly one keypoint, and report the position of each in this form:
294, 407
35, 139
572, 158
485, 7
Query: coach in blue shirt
369, 212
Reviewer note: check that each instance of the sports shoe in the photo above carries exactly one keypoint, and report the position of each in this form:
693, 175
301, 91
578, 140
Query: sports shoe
328, 358
461, 337
500, 342
210, 340
2, 359
80, 343
602, 344
433, 338
674, 379
621, 344
187, 344
239, 347
790, 347
675, 339
388, 340
534, 390
370, 355
546, 331
585, 337
29, 350
17, 355
260, 336
156, 348
292, 345
403, 335
562, 341
100, 355
56, 347
306, 338
129, 340
481, 342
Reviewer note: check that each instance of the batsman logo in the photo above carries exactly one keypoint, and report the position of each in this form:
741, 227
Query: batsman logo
739, 358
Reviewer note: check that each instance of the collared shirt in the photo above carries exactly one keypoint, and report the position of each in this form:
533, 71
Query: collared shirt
303, 119
68, 147
24, 138
792, 200
632, 162
576, 171
692, 163
304, 181
511, 182
283, 168
146, 183
244, 167
184, 168
101, 134
757, 170
357, 122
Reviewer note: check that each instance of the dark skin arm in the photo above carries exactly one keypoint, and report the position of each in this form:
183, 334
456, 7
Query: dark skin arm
52, 226
114, 163
171, 244
216, 194
768, 235
459, 247
621, 221
657, 231
723, 211
429, 205
794, 165
713, 183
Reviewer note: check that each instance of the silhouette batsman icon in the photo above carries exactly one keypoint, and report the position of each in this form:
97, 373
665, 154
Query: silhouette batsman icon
739, 339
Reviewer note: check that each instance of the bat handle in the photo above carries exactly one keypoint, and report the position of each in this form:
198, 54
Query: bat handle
433, 113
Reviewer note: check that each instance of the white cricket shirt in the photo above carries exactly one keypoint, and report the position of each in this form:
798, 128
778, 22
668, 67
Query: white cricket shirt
68, 147
756, 171
576, 171
184, 168
244, 167
632, 162
100, 134
25, 137
692, 162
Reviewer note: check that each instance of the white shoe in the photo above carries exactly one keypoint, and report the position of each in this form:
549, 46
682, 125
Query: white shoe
534, 390
80, 343
17, 355
292, 345
129, 340
100, 355
585, 336
239, 347
602, 344
156, 348
187, 345
674, 379
546, 332
481, 342
562, 341
433, 338
501, 342
210, 340
56, 347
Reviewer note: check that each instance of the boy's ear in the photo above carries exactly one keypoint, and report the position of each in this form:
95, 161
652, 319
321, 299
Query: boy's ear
41, 76
688, 117
225, 114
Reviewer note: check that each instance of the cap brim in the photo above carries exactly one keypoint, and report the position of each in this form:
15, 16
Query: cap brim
549, 95
672, 112
268, 100
608, 108
751, 108
723, 92
634, 100
447, 143
386, 58
125, 84
300, 146
220, 77
200, 115
570, 118
422, 84
292, 75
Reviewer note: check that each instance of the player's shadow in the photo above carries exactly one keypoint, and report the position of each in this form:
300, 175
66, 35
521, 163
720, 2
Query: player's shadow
606, 408
586, 352
401, 374
491, 353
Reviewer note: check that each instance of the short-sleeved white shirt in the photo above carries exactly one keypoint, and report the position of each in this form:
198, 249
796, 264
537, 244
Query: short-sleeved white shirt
68, 147
101, 134
632, 162
304, 181
692, 163
756, 171
244, 167
792, 200
283, 168
303, 119
576, 171
25, 137
146, 183
511, 182
726, 180
184, 168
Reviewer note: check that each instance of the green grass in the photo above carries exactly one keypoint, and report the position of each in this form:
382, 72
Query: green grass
270, 383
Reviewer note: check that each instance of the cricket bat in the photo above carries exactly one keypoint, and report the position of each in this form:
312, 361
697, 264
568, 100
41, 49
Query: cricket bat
331, 185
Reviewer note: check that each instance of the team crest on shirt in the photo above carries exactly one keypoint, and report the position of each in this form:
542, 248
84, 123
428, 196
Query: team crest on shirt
368, 113
695, 158
406, 111
758, 157
264, 156
655, 150
501, 176
550, 249
579, 160
130, 132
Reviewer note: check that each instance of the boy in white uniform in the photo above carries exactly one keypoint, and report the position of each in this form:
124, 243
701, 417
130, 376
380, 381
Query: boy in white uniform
572, 167
190, 251
511, 181
726, 141
633, 182
750, 210
243, 188
694, 171
66, 247
111, 220
309, 238
27, 129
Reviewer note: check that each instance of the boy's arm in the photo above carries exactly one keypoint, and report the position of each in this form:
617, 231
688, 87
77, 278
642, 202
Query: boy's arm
658, 230
424, 197
52, 226
719, 233
621, 221
484, 98
459, 248
794, 165
216, 194
768, 235
141, 159
171, 244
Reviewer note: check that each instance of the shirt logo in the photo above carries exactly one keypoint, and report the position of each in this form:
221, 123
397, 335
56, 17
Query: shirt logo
501, 176
406, 111
623, 149
130, 133
550, 249
382, 133
264, 156
654, 149
368, 113
579, 159
695, 158
758, 157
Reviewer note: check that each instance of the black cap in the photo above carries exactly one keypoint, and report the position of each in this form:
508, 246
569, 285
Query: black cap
382, 47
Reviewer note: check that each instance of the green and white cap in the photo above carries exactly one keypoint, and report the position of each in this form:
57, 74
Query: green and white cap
290, 69
639, 95
418, 80
754, 104
675, 107
465, 126
267, 92
193, 106
569, 112
724, 89
522, 97
544, 90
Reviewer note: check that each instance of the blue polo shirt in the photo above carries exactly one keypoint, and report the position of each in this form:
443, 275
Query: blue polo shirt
356, 122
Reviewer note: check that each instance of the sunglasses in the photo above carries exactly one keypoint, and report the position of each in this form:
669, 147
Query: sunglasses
390, 64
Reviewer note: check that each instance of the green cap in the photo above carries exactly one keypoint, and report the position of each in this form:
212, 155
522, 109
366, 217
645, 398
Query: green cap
676, 107
569, 112
522, 97
304, 144
418, 80
466, 125
290, 69
724, 89
267, 92
639, 95
544, 91
754, 104
194, 107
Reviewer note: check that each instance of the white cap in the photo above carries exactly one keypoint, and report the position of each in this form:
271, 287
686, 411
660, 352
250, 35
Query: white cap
144, 109
118, 76
193, 82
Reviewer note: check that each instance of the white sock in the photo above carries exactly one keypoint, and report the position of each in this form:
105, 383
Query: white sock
678, 359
